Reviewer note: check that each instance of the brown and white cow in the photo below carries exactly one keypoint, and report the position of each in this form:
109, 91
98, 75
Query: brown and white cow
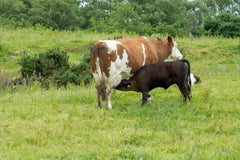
114, 60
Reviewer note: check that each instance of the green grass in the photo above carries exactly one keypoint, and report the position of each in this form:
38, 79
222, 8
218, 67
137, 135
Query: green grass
66, 124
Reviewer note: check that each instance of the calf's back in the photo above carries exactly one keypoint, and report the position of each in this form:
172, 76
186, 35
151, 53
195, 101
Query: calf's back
158, 75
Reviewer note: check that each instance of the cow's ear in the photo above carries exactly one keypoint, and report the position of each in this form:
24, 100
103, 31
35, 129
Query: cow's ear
159, 39
128, 85
169, 38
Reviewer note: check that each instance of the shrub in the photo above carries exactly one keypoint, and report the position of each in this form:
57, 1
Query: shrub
164, 28
224, 24
53, 67
78, 74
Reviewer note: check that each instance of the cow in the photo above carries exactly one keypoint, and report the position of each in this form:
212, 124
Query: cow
161, 74
114, 60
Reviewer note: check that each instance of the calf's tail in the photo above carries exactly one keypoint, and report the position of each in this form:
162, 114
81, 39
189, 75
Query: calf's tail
189, 70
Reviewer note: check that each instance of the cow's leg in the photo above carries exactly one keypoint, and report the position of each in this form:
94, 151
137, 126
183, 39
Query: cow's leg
144, 97
99, 99
99, 102
108, 97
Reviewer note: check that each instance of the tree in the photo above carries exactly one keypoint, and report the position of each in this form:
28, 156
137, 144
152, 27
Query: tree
223, 6
95, 10
58, 14
13, 12
224, 24
176, 17
196, 11
122, 19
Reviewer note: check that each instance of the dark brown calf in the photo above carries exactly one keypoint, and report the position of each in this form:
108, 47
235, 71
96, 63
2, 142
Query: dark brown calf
163, 74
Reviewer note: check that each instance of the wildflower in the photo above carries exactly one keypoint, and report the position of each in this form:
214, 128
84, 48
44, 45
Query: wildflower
9, 82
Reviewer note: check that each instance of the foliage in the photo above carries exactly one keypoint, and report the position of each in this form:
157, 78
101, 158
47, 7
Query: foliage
225, 24
52, 66
176, 17
57, 14
78, 74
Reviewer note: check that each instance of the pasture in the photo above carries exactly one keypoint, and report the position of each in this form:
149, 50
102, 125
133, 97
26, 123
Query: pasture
66, 124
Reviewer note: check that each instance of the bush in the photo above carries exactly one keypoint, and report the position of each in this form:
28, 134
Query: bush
53, 67
225, 24
169, 29
78, 74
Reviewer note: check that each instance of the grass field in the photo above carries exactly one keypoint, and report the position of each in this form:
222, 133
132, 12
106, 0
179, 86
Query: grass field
65, 124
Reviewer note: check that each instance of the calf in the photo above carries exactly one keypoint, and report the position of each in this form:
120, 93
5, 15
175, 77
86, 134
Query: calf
162, 74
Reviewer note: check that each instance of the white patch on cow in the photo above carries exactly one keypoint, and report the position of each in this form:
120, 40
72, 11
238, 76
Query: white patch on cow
112, 45
119, 70
175, 53
193, 80
98, 75
145, 38
144, 54
109, 104
98, 66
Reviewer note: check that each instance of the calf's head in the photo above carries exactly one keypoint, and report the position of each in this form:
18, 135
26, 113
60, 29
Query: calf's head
124, 85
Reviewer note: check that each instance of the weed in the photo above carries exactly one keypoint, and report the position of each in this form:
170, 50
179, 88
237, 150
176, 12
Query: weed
8, 82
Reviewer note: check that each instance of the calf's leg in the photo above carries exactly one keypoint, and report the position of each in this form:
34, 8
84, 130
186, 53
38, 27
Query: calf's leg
183, 90
189, 92
149, 97
144, 97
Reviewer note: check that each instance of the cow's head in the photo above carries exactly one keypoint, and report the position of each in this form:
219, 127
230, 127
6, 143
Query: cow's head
176, 54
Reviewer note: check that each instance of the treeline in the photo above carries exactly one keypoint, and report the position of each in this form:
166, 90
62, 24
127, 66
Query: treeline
175, 17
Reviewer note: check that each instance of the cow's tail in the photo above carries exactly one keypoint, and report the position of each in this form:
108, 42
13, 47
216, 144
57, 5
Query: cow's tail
94, 51
94, 55
95, 58
189, 70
